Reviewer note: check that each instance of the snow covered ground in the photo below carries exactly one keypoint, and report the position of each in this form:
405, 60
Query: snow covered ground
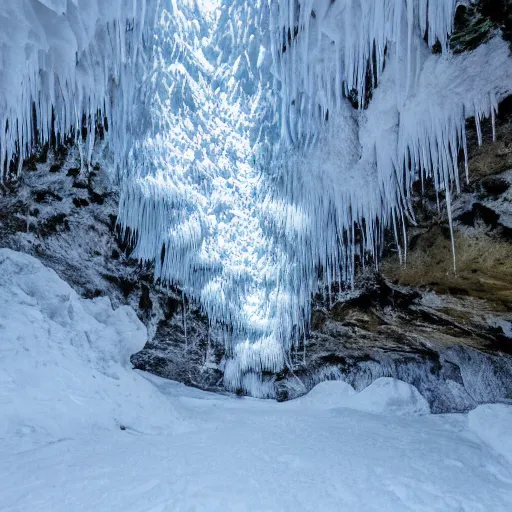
81, 431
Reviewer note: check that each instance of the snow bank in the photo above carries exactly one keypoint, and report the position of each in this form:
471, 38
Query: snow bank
65, 388
254, 455
64, 361
385, 396
493, 424
389, 396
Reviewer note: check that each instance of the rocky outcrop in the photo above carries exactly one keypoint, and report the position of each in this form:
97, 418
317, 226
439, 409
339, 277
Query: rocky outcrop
447, 331
476, 22
67, 218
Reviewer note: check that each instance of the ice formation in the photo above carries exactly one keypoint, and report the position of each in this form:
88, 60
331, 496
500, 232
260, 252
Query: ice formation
63, 62
365, 160
258, 144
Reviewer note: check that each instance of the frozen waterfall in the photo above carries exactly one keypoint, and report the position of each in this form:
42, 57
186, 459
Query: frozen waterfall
257, 143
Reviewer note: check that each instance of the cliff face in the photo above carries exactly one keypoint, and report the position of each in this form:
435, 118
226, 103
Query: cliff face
449, 334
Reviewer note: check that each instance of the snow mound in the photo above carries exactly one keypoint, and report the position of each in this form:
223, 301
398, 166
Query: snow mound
493, 423
390, 397
385, 396
64, 361
326, 395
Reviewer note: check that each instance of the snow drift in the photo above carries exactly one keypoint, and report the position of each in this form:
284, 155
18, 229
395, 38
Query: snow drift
65, 391
64, 362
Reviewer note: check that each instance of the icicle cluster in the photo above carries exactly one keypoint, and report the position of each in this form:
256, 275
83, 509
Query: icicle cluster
194, 195
62, 65
367, 108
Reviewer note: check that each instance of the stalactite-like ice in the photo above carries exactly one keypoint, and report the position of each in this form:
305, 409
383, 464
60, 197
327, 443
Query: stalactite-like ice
367, 108
72, 61
196, 187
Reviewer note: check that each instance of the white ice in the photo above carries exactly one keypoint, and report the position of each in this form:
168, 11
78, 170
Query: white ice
66, 389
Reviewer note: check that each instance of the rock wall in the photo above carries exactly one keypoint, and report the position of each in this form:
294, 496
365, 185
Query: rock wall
67, 218
446, 331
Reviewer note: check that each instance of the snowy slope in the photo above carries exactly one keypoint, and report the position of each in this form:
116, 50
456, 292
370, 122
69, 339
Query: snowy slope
66, 390
64, 362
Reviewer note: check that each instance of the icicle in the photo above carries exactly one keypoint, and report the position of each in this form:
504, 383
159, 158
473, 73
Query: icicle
397, 241
304, 345
493, 115
478, 126
190, 181
450, 222
184, 319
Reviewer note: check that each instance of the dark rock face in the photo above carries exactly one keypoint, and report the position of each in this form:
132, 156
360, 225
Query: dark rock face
390, 331
183, 346
475, 24
495, 186
72, 229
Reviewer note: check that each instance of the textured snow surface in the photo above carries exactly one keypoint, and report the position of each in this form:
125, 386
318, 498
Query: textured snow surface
64, 361
66, 390
492, 423
243, 164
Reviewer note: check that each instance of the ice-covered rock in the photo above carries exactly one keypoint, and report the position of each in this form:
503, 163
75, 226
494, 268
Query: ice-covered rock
258, 144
